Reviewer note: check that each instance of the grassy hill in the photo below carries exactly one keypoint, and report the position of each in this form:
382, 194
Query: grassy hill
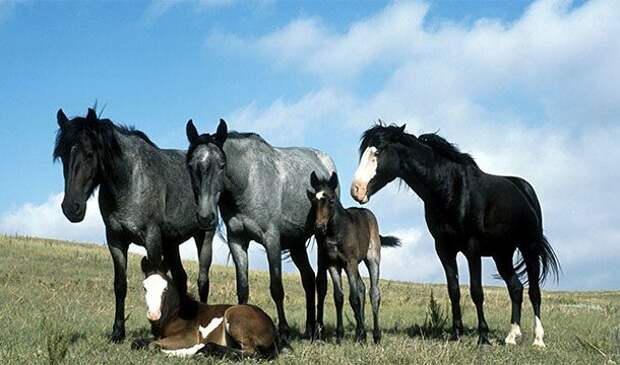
56, 294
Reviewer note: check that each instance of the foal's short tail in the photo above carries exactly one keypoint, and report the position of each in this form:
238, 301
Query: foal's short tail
548, 260
389, 241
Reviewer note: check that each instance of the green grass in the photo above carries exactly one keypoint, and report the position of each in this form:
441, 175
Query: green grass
57, 305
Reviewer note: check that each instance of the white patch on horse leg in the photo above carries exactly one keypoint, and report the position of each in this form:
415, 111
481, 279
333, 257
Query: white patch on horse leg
319, 195
205, 331
539, 333
513, 335
190, 351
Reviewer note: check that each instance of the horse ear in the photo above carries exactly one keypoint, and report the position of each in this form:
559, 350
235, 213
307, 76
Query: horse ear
314, 180
221, 133
402, 127
146, 266
190, 130
311, 195
61, 118
92, 114
333, 181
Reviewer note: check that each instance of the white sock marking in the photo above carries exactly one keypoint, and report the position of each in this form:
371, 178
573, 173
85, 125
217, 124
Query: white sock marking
513, 335
539, 333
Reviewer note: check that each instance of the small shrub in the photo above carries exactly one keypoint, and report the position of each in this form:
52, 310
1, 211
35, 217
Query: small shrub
57, 341
434, 322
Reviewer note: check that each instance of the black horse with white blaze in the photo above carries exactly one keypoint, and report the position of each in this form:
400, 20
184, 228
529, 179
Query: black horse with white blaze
145, 196
468, 211
260, 192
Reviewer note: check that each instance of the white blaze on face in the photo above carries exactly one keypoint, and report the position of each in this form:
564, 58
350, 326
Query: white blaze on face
154, 287
366, 170
539, 333
320, 195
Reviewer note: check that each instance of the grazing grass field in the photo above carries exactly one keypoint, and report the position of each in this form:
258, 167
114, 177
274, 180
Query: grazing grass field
57, 305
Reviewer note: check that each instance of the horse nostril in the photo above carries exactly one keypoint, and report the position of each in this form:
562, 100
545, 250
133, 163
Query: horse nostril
75, 207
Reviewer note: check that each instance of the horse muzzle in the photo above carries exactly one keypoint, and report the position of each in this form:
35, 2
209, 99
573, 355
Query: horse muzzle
207, 222
359, 192
153, 317
74, 212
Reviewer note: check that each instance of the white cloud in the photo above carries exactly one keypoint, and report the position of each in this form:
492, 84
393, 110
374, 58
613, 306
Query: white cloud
536, 97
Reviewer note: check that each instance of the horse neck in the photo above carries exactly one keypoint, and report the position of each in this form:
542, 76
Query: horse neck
337, 220
430, 177
239, 160
118, 172
172, 304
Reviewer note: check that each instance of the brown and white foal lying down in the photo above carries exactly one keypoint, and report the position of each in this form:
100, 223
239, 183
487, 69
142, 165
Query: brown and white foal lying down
345, 238
184, 327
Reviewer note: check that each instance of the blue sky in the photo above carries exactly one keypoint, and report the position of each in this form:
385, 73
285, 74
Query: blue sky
529, 89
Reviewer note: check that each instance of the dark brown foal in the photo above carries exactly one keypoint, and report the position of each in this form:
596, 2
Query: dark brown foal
345, 238
184, 327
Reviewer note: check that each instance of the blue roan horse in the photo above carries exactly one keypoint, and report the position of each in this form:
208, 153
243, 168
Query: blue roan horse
261, 194
466, 211
145, 196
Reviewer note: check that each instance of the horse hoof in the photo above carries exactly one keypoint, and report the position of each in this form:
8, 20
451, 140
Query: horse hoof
483, 341
117, 336
454, 337
539, 344
138, 344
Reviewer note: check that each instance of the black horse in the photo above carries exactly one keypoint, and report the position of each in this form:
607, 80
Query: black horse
466, 211
145, 197
260, 192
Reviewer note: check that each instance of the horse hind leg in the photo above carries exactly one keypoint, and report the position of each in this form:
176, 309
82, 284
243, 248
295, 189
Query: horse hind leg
515, 290
375, 296
532, 263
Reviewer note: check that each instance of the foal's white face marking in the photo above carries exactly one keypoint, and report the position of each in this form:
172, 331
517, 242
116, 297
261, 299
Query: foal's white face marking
215, 322
320, 195
539, 333
155, 286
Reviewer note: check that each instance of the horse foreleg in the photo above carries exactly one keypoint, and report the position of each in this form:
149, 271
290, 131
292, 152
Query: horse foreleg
321, 289
239, 251
118, 250
274, 258
448, 261
300, 258
477, 295
515, 289
179, 276
334, 272
204, 245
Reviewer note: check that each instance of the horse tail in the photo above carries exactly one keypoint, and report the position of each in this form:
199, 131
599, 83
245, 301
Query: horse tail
389, 241
548, 259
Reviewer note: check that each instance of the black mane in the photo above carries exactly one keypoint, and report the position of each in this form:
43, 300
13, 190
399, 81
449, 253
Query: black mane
395, 134
99, 130
446, 149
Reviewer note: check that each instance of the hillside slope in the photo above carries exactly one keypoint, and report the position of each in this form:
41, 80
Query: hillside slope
51, 289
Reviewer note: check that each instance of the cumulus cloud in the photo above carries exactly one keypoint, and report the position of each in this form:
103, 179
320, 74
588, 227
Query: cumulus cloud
536, 97
47, 220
